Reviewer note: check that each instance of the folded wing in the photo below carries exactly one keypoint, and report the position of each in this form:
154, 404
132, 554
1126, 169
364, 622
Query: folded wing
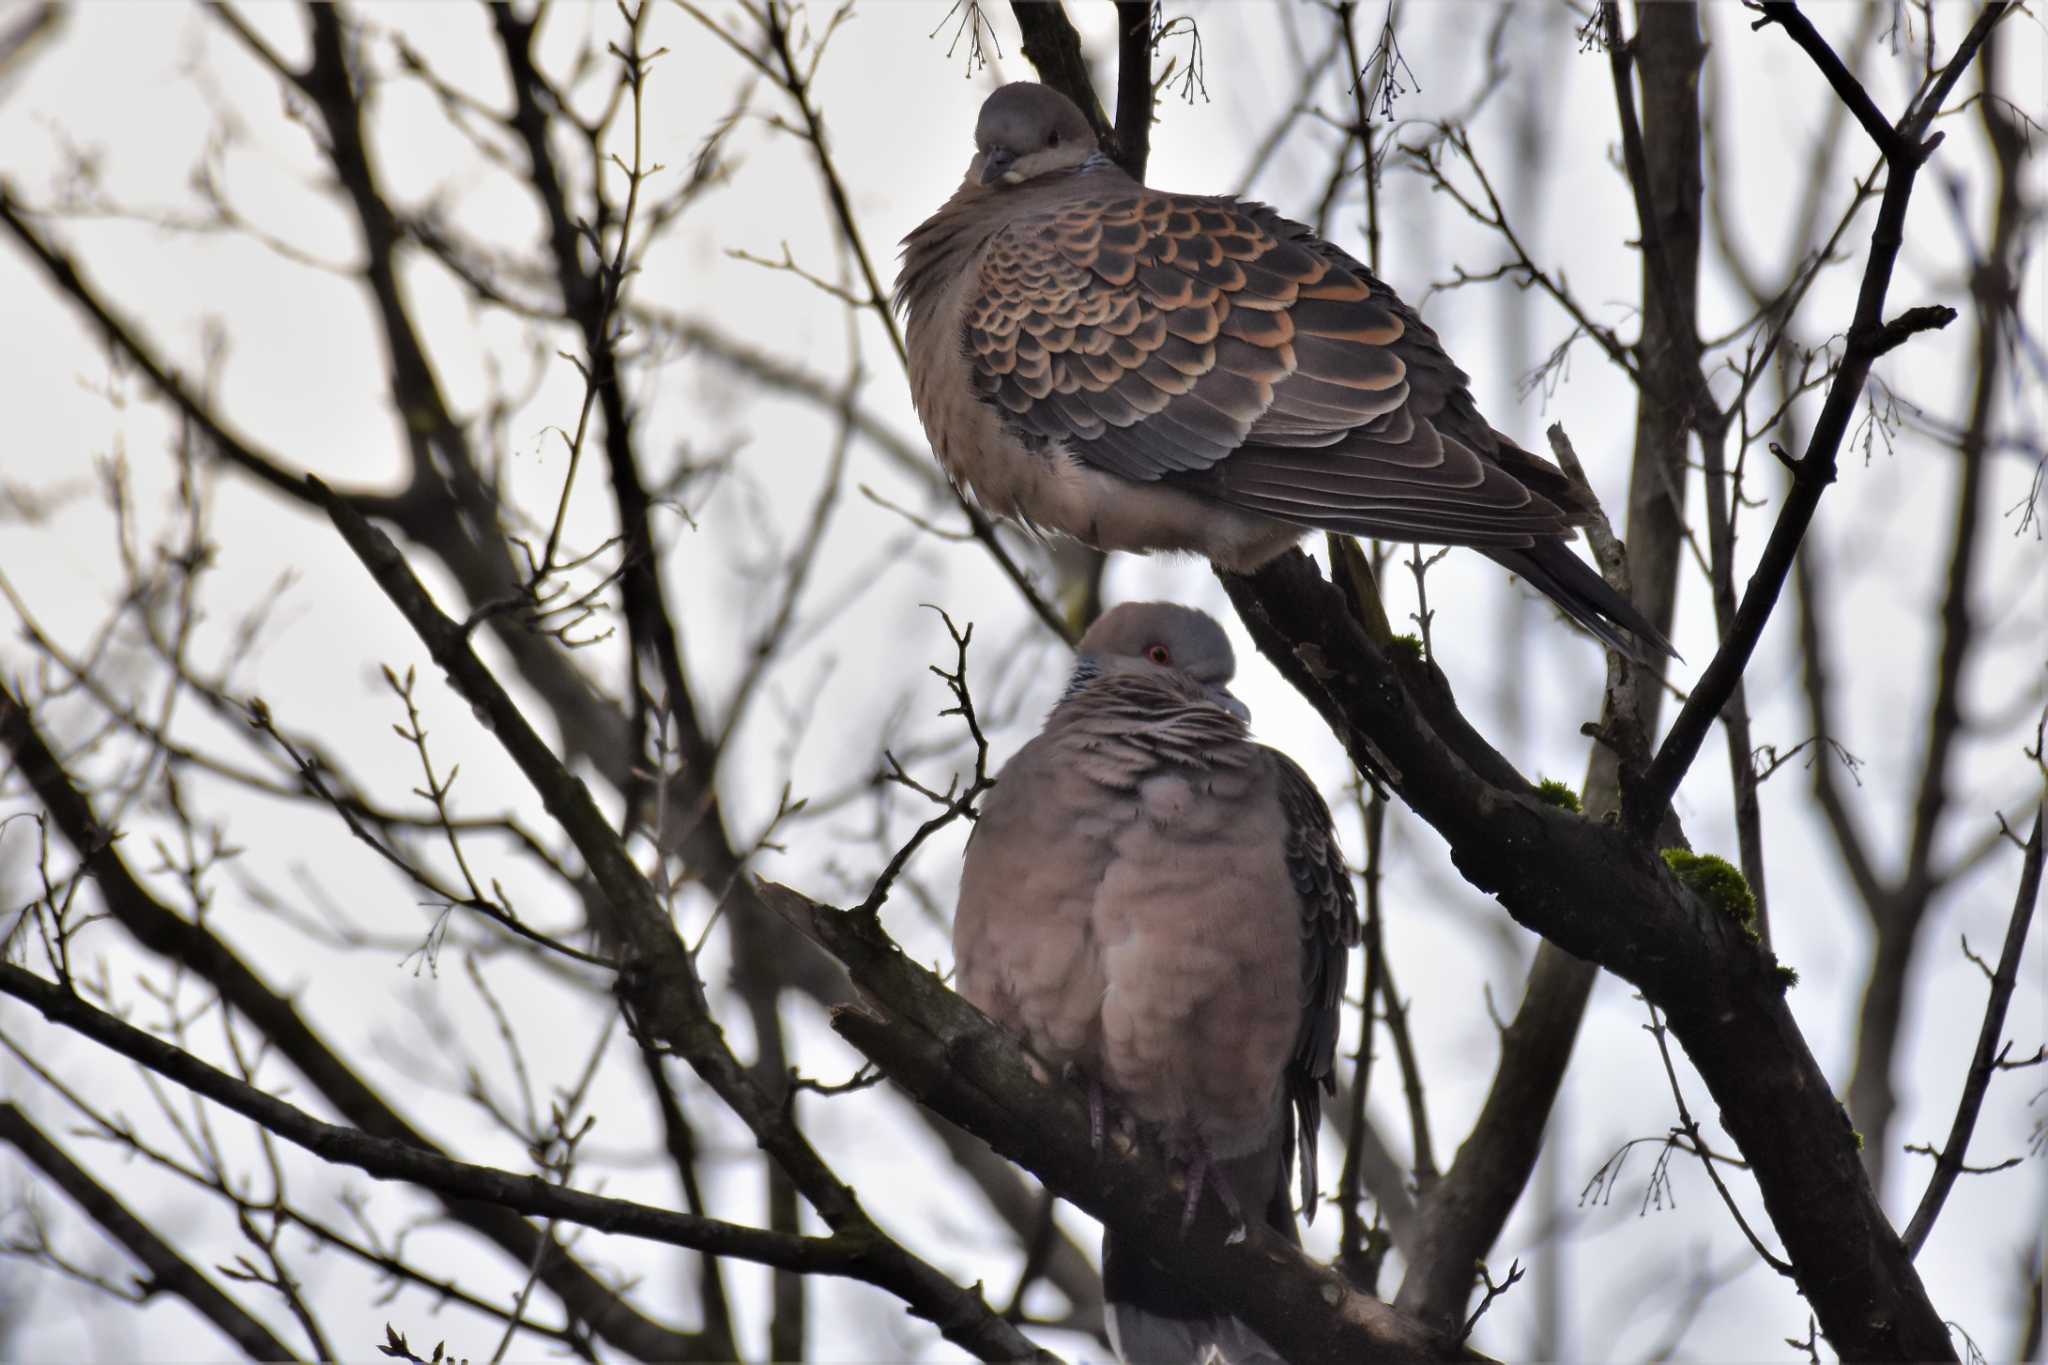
1218, 346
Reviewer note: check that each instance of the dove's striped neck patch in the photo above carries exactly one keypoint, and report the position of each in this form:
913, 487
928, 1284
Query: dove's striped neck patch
1134, 721
1086, 670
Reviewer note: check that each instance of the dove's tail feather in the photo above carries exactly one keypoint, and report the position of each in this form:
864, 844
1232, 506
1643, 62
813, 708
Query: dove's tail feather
1155, 1319
1553, 570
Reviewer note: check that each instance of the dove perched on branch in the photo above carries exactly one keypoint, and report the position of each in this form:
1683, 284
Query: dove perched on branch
1143, 370
1158, 903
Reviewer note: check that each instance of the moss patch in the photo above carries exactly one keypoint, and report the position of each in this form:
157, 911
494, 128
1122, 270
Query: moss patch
1555, 793
1788, 977
1719, 881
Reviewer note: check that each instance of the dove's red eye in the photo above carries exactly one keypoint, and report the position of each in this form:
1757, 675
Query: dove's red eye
1158, 654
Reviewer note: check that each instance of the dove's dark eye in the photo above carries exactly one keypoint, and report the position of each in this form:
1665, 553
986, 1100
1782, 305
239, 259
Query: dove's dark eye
1052, 139
1158, 654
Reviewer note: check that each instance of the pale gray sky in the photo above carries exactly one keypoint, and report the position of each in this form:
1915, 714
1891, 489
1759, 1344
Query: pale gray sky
137, 91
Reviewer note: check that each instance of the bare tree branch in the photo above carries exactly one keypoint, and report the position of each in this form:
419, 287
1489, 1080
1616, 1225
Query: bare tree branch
1988, 1053
391, 1159
948, 1055
659, 983
195, 949
1599, 893
1053, 47
1869, 336
1133, 85
168, 1271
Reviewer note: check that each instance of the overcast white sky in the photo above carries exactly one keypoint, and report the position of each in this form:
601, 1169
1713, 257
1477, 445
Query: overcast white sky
137, 91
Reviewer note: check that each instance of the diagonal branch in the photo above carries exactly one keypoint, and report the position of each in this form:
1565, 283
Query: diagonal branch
947, 1053
1847, 88
129, 342
168, 1271
1691, 1129
195, 949
1869, 336
659, 984
1603, 894
392, 1159
1949, 1164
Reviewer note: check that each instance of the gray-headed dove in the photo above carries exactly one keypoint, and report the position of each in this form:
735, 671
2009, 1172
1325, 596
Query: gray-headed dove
1143, 370
1158, 903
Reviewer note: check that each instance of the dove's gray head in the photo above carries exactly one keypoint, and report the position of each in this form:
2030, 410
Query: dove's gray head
1177, 646
1027, 130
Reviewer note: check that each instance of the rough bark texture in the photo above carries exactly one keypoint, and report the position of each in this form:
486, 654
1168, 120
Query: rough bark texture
1609, 898
950, 1057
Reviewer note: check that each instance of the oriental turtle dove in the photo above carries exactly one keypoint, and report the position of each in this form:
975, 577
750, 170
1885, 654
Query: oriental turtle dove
1155, 901
1143, 370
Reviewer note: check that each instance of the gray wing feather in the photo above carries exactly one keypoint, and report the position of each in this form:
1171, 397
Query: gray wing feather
1329, 929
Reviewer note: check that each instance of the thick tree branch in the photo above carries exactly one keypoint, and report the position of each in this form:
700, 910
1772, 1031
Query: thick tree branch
662, 988
1053, 47
1603, 895
946, 1053
1662, 154
659, 983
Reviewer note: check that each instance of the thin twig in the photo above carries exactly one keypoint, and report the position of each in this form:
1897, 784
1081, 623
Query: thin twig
1869, 336
395, 1160
1691, 1129
954, 803
168, 1271
1949, 1164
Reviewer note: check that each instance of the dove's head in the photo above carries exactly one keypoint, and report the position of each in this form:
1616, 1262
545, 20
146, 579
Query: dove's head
1027, 130
1179, 646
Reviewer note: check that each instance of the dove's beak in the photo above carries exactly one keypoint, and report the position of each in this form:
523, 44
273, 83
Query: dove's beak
996, 164
1226, 699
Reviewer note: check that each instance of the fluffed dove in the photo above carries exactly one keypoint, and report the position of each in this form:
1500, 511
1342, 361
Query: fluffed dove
1143, 370
1154, 901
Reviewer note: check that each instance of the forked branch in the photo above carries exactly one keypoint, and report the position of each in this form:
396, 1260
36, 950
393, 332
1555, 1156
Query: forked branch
1985, 1062
1870, 335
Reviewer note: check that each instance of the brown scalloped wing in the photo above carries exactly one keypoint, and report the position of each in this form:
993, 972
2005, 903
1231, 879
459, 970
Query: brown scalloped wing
1219, 346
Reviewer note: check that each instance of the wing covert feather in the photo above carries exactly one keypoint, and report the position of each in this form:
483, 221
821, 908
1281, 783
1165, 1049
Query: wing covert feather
1214, 344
